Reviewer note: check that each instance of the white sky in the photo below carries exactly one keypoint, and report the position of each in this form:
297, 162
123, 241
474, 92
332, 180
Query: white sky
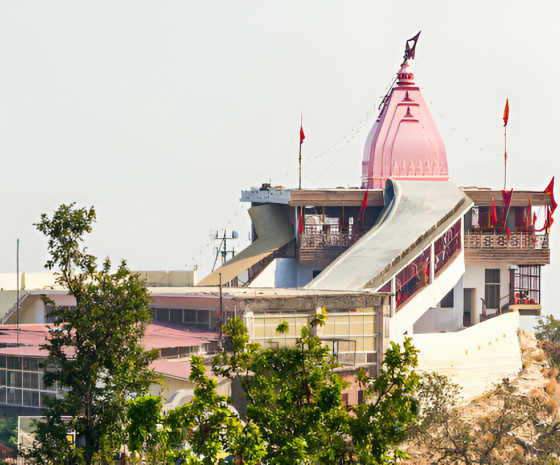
160, 113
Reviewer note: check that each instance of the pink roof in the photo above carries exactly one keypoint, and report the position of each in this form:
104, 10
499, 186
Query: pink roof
404, 143
162, 335
29, 335
179, 369
158, 335
24, 351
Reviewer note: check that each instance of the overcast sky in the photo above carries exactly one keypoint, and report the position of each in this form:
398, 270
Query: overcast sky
160, 113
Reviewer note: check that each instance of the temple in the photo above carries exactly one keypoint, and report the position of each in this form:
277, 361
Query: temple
457, 266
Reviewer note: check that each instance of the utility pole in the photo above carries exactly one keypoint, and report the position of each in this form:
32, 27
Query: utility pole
17, 308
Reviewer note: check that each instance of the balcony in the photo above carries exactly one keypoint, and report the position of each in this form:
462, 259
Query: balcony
324, 248
520, 247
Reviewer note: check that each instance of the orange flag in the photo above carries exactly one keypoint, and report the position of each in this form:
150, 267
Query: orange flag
506, 113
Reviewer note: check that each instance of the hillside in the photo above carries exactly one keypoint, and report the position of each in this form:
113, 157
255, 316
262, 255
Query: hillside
518, 422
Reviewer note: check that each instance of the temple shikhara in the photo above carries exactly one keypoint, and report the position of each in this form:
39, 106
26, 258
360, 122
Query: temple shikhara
409, 254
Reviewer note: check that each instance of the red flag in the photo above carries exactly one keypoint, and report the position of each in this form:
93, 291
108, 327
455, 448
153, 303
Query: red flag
550, 191
548, 221
506, 113
507, 197
494, 216
301, 135
300, 227
363, 209
529, 211
507, 201
508, 233
534, 220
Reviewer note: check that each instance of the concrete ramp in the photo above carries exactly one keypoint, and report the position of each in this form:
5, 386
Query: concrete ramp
476, 358
415, 213
273, 229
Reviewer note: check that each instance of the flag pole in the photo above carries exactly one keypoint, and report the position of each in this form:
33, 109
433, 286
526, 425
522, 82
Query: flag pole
505, 155
300, 141
506, 118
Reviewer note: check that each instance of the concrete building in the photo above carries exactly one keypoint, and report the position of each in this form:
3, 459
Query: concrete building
176, 332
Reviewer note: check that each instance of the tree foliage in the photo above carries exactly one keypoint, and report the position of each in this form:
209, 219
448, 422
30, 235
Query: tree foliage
383, 422
8, 431
295, 412
197, 433
95, 350
548, 332
295, 399
489, 430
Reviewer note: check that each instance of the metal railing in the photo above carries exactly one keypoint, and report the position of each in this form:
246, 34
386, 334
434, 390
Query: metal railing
322, 240
501, 240
14, 307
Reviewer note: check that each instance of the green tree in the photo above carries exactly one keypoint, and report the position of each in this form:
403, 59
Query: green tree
8, 431
380, 425
144, 427
95, 350
548, 332
295, 399
195, 433
212, 428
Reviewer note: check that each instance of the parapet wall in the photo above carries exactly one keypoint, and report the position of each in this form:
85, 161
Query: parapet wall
475, 358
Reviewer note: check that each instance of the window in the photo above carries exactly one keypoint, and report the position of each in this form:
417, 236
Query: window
176, 315
162, 314
447, 301
527, 284
360, 397
48, 311
31, 380
190, 316
492, 288
31, 364
14, 363
204, 318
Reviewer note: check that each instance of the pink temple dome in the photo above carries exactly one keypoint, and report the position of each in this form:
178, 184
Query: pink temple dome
404, 143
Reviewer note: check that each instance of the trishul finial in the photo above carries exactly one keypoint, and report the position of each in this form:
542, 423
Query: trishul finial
410, 48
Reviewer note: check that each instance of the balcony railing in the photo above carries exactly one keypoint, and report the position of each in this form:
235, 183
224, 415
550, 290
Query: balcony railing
321, 247
319, 241
518, 240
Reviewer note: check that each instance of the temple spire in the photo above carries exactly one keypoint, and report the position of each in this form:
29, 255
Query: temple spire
404, 143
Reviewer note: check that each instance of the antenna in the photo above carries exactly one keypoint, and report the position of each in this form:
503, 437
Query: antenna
223, 236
